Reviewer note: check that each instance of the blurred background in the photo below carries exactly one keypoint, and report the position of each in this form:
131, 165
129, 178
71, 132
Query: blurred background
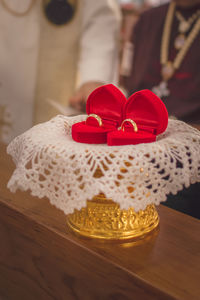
131, 10
54, 53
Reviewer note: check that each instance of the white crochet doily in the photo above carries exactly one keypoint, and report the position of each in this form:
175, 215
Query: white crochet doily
49, 163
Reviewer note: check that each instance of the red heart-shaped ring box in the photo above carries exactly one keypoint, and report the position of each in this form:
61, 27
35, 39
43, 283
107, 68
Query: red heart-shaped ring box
106, 102
150, 115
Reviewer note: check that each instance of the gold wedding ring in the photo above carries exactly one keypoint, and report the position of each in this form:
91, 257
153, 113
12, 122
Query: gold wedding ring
129, 121
96, 117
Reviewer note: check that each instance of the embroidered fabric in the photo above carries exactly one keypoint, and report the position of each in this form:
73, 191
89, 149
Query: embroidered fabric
51, 164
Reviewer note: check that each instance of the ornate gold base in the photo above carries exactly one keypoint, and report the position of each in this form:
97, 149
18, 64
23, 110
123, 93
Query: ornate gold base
103, 219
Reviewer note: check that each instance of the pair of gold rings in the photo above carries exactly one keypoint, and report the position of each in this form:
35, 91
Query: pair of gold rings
99, 120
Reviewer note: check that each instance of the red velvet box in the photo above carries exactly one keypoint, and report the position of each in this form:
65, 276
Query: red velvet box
107, 102
116, 121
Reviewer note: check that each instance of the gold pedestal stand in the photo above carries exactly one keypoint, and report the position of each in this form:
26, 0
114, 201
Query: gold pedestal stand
103, 219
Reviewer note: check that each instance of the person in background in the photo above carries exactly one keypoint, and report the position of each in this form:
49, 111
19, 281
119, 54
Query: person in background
53, 50
166, 59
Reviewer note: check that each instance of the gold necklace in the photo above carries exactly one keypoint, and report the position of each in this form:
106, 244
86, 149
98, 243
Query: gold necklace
16, 13
168, 68
184, 26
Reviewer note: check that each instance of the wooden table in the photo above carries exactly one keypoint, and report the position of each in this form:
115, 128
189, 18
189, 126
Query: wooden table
41, 259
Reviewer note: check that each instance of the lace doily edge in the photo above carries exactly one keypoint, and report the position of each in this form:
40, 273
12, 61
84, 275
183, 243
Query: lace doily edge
14, 186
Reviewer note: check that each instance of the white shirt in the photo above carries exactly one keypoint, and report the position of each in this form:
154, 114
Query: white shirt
20, 49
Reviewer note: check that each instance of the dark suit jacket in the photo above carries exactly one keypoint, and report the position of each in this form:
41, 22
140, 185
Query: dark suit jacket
184, 99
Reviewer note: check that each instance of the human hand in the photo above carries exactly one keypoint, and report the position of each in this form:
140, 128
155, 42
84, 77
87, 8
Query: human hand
79, 99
